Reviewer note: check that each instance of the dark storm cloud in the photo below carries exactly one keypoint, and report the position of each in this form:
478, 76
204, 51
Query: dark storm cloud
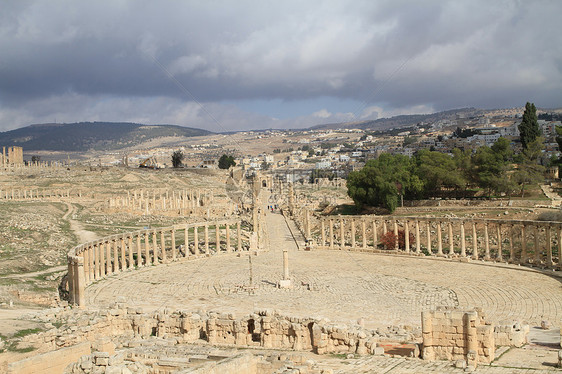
112, 60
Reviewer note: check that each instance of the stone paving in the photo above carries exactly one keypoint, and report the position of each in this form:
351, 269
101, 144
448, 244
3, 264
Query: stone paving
342, 286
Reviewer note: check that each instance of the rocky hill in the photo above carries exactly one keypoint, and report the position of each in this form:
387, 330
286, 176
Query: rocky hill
82, 136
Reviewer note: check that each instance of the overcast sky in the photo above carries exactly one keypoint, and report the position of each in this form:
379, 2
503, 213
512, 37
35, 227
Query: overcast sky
231, 65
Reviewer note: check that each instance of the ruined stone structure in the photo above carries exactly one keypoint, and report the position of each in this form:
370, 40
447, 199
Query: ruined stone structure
36, 193
455, 334
95, 260
14, 156
538, 243
102, 331
182, 202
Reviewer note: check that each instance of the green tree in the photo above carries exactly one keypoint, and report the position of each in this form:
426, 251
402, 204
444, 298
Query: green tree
529, 170
437, 171
380, 182
529, 127
491, 168
226, 162
177, 158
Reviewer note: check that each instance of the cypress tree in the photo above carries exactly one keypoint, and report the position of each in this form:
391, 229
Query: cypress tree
529, 127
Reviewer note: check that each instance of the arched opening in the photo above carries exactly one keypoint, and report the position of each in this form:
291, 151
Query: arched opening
251, 330
311, 332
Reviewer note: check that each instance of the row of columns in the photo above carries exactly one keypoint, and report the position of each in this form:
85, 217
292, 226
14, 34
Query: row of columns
141, 200
19, 193
524, 242
148, 247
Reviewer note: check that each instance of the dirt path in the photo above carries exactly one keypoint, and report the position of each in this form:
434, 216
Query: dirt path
82, 234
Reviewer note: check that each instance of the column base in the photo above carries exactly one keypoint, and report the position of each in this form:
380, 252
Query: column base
285, 283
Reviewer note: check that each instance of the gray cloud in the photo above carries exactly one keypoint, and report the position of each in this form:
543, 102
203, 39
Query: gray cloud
110, 60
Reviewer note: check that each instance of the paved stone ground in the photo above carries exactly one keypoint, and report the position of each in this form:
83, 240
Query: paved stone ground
342, 286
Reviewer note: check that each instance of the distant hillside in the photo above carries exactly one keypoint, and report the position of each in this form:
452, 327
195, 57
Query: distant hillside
82, 136
403, 120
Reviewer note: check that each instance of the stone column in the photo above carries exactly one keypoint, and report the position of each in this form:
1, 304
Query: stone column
439, 240
286, 281
342, 233
139, 251
196, 240
384, 228
174, 251
86, 255
228, 249
130, 250
285, 264
429, 237
499, 231
97, 266
307, 224
80, 285
239, 232
115, 256
331, 232
94, 259
364, 234
102, 259
471, 331
147, 249
352, 233
451, 239
322, 233
163, 244
71, 279
375, 239
418, 241
218, 237
155, 248
395, 224
407, 235
537, 246
207, 238
511, 247
549, 262
486, 242
523, 244
123, 255
108, 262
463, 241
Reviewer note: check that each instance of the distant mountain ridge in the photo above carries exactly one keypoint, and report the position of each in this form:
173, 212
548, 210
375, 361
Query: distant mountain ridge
403, 120
82, 136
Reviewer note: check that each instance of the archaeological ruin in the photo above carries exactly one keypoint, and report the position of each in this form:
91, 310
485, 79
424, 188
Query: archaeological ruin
252, 276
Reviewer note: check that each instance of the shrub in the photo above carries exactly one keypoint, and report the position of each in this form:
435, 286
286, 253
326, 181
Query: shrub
388, 240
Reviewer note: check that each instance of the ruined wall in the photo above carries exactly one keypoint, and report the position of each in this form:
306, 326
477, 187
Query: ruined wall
50, 362
263, 329
11, 156
457, 335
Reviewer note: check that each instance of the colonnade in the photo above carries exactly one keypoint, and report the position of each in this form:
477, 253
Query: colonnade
536, 243
98, 259
37, 193
36, 165
147, 201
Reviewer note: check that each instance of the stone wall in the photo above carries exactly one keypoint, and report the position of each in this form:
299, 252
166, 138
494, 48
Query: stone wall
262, 329
50, 362
13, 156
457, 335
